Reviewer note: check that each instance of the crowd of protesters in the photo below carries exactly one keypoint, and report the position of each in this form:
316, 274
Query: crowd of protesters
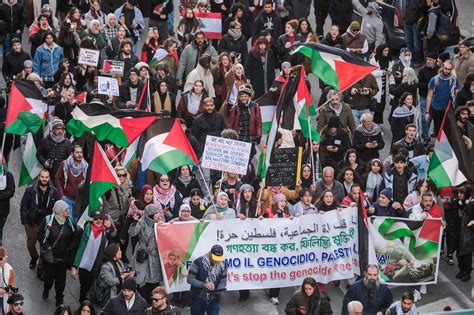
211, 86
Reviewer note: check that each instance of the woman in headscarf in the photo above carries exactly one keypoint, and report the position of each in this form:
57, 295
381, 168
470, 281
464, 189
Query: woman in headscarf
197, 203
57, 232
135, 213
383, 75
404, 114
167, 197
404, 61
146, 259
246, 203
91, 240
110, 27
221, 209
186, 181
184, 214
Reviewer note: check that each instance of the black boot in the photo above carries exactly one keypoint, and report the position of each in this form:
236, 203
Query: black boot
466, 277
33, 261
45, 295
459, 274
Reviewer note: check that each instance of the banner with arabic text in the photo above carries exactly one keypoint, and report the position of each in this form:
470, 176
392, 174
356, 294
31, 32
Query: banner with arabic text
268, 253
407, 250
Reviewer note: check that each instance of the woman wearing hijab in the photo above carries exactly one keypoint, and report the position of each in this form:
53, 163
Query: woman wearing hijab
220, 210
167, 197
184, 214
383, 75
186, 181
57, 233
91, 241
146, 259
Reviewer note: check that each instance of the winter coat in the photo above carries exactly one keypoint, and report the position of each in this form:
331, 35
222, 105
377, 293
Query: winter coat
124, 91
284, 53
108, 278
29, 210
358, 292
463, 64
359, 101
199, 73
329, 41
190, 56
129, 63
341, 13
260, 76
340, 140
115, 202
465, 239
255, 119
48, 233
117, 306
13, 64
345, 117
183, 111
319, 305
337, 189
6, 194
388, 179
270, 22
197, 278
236, 46
378, 78
13, 16
47, 61
70, 187
207, 124
424, 77
412, 11
150, 270
298, 9
55, 152
359, 141
185, 190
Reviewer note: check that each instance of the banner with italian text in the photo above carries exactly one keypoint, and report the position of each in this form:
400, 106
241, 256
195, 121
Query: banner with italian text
407, 250
268, 253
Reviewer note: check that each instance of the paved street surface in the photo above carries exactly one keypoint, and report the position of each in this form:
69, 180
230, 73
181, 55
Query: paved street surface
448, 291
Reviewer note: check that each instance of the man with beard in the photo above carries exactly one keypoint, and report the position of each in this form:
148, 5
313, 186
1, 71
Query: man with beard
126, 55
466, 128
69, 176
245, 118
405, 306
210, 123
374, 296
426, 73
13, 62
37, 202
268, 20
132, 93
128, 301
55, 148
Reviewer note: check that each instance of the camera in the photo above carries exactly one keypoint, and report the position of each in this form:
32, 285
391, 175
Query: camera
11, 289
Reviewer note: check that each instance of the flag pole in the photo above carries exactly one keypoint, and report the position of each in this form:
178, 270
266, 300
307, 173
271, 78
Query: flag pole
311, 150
116, 156
3, 145
207, 185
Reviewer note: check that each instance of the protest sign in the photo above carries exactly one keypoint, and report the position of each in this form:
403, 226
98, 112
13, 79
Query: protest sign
226, 155
285, 167
108, 86
113, 67
89, 57
407, 250
268, 253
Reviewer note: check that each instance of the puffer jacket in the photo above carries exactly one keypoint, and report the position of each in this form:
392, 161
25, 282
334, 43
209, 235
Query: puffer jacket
13, 16
29, 210
56, 152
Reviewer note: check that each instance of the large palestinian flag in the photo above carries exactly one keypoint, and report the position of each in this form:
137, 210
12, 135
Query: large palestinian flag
335, 67
267, 106
102, 177
304, 110
30, 166
164, 147
26, 109
120, 127
450, 164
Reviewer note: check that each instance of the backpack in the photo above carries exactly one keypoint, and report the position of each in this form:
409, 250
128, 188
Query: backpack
444, 26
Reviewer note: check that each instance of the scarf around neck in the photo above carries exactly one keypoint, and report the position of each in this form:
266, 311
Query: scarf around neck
368, 133
403, 111
186, 180
76, 170
234, 35
164, 196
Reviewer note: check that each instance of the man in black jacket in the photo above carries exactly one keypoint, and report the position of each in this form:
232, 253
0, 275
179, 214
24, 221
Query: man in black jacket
128, 301
209, 123
132, 93
13, 61
268, 20
12, 13
7, 191
55, 148
426, 73
36, 204
412, 12
234, 42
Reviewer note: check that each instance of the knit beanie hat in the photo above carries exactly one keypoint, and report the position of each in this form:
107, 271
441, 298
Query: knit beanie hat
278, 197
130, 284
387, 192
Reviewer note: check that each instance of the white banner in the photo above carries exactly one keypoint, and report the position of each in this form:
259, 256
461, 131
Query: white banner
268, 253
108, 86
226, 155
88, 57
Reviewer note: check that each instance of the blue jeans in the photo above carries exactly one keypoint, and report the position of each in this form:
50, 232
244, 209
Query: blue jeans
412, 40
425, 126
171, 23
357, 113
70, 204
201, 307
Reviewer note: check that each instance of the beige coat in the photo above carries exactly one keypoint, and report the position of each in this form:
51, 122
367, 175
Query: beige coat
463, 65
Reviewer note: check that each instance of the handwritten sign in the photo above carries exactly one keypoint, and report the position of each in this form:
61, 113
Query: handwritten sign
108, 86
89, 57
113, 67
268, 253
285, 165
226, 155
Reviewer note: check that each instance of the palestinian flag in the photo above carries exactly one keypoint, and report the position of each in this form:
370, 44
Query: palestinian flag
335, 67
450, 164
159, 55
262, 165
121, 127
304, 110
81, 97
102, 177
267, 108
30, 166
26, 109
131, 153
164, 147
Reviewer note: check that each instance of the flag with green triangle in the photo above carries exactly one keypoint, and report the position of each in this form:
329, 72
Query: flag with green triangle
30, 166
262, 165
304, 110
267, 106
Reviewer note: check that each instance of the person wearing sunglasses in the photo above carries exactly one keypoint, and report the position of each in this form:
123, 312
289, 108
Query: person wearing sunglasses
15, 304
159, 303
166, 196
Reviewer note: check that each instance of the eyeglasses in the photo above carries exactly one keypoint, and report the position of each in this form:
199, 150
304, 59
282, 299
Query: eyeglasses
122, 175
18, 303
156, 300
164, 180
98, 219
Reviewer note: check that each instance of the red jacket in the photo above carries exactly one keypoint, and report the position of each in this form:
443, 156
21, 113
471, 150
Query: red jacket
255, 119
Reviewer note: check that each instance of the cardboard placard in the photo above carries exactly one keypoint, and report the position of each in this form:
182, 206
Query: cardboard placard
113, 67
226, 155
89, 57
285, 165
108, 86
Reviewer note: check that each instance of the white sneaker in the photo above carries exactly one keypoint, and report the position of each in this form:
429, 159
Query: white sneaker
275, 300
416, 295
423, 289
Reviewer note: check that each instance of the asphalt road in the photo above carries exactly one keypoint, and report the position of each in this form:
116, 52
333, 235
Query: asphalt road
448, 290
